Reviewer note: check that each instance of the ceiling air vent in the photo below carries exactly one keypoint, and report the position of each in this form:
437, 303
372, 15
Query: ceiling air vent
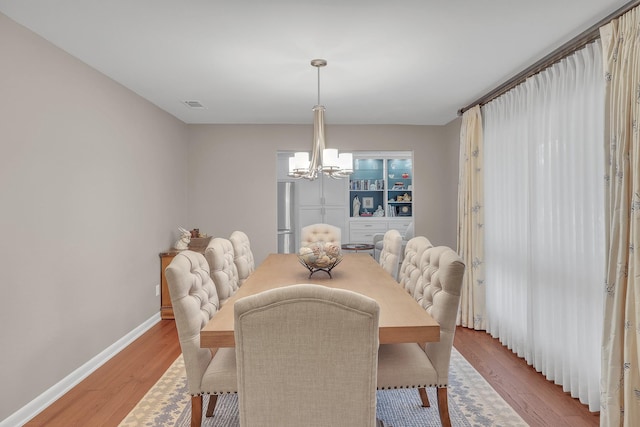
194, 104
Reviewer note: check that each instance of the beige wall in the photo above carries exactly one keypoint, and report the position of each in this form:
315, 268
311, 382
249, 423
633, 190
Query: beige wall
226, 194
94, 182
92, 185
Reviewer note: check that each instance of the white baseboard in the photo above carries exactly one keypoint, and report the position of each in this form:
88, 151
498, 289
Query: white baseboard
37, 405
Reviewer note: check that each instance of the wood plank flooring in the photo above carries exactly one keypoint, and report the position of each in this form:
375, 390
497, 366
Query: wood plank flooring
538, 401
106, 396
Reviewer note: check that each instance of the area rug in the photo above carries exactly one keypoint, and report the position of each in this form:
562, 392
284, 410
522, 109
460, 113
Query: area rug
472, 402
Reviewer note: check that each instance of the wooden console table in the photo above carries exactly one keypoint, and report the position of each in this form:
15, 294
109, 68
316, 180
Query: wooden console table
166, 309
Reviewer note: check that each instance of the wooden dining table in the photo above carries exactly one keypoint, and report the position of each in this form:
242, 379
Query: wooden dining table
402, 319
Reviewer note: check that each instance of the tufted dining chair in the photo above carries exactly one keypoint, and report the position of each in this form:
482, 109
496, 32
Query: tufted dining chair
421, 365
317, 367
220, 256
378, 238
410, 274
243, 257
390, 254
195, 302
320, 233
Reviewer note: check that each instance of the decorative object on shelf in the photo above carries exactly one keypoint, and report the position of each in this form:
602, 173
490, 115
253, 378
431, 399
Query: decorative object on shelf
405, 175
320, 256
367, 202
185, 237
379, 211
323, 160
406, 197
356, 206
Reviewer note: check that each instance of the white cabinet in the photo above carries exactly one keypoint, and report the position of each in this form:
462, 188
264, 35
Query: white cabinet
362, 231
334, 215
309, 192
323, 200
335, 191
323, 191
382, 185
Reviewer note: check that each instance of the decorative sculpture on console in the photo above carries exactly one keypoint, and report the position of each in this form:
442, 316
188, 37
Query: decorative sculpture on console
356, 206
185, 239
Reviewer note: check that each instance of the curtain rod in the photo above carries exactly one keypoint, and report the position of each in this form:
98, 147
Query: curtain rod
581, 40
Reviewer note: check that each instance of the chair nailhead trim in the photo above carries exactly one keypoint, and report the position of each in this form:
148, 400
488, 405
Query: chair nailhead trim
216, 393
412, 386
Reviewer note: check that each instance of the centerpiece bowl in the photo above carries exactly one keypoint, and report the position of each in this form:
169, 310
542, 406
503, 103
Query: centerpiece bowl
320, 256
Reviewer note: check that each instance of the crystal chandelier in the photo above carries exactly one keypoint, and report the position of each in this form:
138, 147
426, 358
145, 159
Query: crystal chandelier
323, 160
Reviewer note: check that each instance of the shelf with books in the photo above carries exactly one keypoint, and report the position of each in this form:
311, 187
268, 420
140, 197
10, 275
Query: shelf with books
380, 182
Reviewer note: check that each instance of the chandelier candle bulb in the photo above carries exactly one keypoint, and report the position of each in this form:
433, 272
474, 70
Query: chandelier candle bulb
345, 162
330, 158
301, 160
292, 164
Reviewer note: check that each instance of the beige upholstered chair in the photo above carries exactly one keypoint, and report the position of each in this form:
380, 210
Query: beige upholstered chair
317, 367
243, 257
195, 301
320, 233
219, 254
410, 272
420, 365
379, 237
390, 254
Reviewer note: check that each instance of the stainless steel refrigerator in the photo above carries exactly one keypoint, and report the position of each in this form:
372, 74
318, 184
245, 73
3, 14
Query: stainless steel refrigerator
286, 215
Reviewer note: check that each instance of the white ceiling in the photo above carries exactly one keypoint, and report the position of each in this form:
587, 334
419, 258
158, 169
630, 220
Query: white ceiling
389, 62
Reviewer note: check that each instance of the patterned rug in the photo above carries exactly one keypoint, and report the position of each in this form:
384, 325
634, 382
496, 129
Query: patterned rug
472, 402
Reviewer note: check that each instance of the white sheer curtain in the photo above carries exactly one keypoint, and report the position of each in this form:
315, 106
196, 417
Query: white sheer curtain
544, 221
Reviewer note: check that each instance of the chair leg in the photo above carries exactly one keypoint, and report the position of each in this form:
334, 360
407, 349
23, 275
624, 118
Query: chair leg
424, 397
196, 411
213, 399
443, 407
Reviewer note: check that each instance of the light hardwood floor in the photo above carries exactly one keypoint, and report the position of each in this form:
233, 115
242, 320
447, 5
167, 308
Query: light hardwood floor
538, 401
106, 396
